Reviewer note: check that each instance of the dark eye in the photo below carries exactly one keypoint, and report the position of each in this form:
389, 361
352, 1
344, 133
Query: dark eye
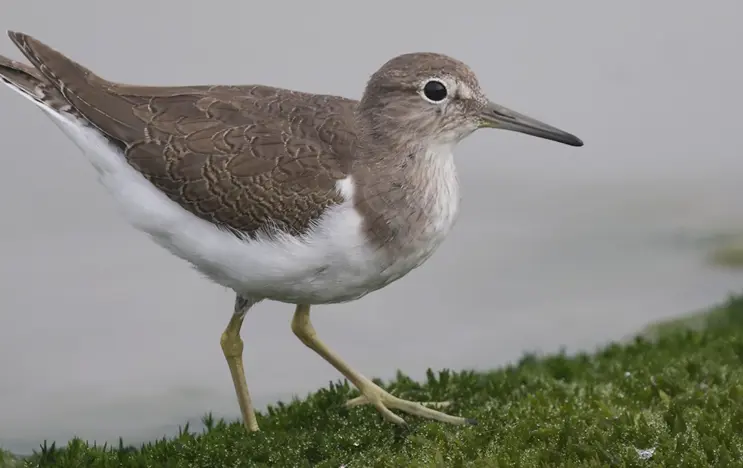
435, 91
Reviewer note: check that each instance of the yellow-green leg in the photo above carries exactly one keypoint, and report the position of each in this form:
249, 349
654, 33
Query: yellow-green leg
370, 392
232, 346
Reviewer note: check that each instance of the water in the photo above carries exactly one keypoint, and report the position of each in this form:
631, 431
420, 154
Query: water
102, 334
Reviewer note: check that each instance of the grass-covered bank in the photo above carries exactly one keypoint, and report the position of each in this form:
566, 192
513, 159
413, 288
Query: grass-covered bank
673, 397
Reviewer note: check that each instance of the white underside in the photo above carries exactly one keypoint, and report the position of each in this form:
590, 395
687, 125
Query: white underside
332, 263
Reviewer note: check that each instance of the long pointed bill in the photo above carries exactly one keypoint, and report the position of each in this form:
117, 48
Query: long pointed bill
497, 116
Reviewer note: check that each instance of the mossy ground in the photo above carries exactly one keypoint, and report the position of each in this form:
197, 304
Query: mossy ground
672, 397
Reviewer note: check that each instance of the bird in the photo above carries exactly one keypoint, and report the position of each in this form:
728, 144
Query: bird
278, 194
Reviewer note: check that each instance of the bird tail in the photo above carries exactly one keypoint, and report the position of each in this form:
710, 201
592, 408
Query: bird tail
19, 75
73, 88
28, 81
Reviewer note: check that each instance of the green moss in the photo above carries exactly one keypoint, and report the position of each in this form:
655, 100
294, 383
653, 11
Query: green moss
719, 316
7, 460
673, 400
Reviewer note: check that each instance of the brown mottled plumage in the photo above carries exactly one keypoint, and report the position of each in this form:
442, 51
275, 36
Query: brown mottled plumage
246, 158
240, 157
328, 198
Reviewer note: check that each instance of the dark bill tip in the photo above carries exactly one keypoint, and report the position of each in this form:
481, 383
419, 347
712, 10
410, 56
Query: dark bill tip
497, 116
573, 141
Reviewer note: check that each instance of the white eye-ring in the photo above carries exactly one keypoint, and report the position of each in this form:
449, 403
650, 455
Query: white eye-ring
434, 91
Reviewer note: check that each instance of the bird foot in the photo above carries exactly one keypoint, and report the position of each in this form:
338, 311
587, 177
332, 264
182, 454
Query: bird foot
384, 402
363, 400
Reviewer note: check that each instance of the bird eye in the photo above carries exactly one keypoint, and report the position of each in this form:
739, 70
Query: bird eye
435, 91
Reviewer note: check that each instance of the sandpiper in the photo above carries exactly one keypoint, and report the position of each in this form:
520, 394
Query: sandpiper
279, 194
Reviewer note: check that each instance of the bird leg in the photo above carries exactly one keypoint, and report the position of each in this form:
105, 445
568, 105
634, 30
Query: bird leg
232, 346
371, 393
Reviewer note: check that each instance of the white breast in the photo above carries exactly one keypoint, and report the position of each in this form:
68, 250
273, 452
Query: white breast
440, 201
443, 191
332, 263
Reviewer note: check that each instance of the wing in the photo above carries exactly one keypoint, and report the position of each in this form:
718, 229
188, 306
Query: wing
246, 158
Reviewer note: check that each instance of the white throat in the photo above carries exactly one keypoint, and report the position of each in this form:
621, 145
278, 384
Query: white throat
440, 188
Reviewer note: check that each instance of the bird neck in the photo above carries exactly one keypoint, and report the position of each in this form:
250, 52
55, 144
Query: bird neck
384, 140
418, 169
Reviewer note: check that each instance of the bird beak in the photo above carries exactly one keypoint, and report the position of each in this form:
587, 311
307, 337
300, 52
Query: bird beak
497, 116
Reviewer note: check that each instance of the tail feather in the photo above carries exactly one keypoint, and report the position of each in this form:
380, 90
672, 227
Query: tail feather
87, 93
31, 83
19, 74
48, 62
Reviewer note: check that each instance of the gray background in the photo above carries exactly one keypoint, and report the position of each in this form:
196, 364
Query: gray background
103, 334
